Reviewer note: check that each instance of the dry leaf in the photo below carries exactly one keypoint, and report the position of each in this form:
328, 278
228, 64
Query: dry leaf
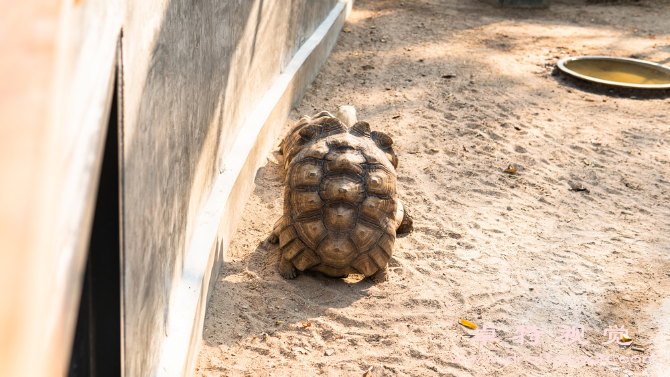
346, 30
306, 324
448, 76
510, 170
625, 338
589, 99
279, 322
434, 149
638, 349
467, 324
396, 116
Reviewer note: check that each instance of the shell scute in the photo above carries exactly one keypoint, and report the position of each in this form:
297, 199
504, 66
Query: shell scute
342, 188
292, 249
365, 235
386, 243
337, 251
375, 156
306, 203
340, 217
312, 231
365, 265
287, 235
380, 182
306, 259
345, 141
379, 256
318, 150
345, 161
376, 209
307, 173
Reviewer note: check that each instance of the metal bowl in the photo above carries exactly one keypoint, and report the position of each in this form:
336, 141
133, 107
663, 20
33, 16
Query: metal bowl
624, 72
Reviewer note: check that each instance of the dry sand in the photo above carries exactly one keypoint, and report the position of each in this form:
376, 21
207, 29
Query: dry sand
502, 250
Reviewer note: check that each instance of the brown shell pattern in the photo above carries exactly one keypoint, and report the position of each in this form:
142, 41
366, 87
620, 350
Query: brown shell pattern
340, 200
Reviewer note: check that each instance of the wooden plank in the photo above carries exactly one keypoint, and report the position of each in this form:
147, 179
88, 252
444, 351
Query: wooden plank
54, 98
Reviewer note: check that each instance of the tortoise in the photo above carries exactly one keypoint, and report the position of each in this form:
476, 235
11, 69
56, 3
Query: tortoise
341, 208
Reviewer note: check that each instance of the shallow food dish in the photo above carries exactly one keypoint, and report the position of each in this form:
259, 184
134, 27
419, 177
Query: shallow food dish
630, 73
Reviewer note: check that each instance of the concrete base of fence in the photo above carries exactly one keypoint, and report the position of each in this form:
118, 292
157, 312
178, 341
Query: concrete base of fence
217, 224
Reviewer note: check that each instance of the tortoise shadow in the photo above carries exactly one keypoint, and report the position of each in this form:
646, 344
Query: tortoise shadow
252, 301
269, 180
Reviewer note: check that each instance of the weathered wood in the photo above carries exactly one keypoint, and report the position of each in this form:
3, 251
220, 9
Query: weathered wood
55, 86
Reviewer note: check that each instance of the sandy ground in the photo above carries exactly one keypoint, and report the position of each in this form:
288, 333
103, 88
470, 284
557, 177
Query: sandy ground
500, 250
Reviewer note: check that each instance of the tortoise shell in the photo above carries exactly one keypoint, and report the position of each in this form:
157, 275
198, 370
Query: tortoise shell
340, 197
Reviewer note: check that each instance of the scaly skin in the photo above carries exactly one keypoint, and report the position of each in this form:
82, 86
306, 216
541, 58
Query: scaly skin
286, 269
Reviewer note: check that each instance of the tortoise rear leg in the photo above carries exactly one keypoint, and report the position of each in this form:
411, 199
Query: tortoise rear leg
286, 269
381, 275
273, 237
